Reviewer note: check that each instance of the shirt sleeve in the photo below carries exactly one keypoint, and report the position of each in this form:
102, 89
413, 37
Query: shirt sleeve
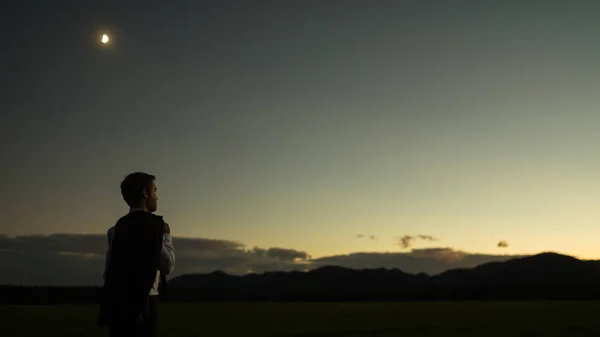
166, 262
109, 236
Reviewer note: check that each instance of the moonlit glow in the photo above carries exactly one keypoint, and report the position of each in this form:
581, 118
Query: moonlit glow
105, 39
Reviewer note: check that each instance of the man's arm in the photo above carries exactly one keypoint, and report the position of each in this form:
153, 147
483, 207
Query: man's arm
110, 234
166, 261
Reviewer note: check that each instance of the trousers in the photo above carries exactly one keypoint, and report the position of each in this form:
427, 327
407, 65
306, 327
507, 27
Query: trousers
146, 328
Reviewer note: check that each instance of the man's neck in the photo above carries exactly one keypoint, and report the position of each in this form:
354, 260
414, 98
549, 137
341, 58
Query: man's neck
134, 209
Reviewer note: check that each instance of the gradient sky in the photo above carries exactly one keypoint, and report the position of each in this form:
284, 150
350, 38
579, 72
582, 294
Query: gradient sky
302, 124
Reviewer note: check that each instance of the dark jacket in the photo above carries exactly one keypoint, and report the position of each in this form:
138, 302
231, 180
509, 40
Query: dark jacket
132, 268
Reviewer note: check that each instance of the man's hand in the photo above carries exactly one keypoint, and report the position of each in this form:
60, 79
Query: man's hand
166, 228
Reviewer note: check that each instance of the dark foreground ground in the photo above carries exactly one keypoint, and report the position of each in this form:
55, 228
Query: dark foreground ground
547, 319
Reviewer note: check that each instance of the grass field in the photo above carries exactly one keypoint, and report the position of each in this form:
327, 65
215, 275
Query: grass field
530, 319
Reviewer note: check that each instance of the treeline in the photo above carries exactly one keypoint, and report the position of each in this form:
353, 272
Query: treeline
10, 295
49, 295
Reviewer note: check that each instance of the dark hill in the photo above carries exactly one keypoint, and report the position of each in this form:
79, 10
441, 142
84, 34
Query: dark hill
538, 277
546, 275
542, 269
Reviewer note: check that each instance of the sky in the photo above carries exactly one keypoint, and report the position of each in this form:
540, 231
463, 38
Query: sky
328, 130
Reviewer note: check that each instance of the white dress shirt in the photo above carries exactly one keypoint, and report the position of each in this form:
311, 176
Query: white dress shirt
166, 260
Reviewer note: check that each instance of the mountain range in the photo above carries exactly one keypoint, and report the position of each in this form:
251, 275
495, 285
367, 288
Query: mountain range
545, 276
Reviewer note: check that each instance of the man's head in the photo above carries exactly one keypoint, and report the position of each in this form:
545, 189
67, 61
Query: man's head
139, 191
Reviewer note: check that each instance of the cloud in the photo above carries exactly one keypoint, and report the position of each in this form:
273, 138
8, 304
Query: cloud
71, 259
430, 260
502, 244
74, 259
284, 254
74, 243
407, 240
370, 237
426, 237
445, 255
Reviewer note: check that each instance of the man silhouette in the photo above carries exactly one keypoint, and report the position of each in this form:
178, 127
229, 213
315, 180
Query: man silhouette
140, 254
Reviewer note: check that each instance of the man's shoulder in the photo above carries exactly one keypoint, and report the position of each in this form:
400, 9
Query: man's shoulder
138, 221
111, 232
139, 215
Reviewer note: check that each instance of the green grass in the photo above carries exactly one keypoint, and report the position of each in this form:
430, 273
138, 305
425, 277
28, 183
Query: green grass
448, 319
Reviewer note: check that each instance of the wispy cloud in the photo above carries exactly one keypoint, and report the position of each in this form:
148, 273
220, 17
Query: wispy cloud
406, 241
427, 237
370, 237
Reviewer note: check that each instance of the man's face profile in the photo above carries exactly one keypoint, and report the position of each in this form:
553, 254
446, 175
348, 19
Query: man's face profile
152, 199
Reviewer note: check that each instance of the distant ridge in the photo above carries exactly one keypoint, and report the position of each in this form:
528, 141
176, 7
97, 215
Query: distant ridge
545, 276
540, 266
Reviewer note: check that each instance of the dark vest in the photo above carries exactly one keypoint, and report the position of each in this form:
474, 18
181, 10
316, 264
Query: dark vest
131, 272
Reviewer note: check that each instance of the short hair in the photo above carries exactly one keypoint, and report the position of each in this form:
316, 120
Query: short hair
133, 187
